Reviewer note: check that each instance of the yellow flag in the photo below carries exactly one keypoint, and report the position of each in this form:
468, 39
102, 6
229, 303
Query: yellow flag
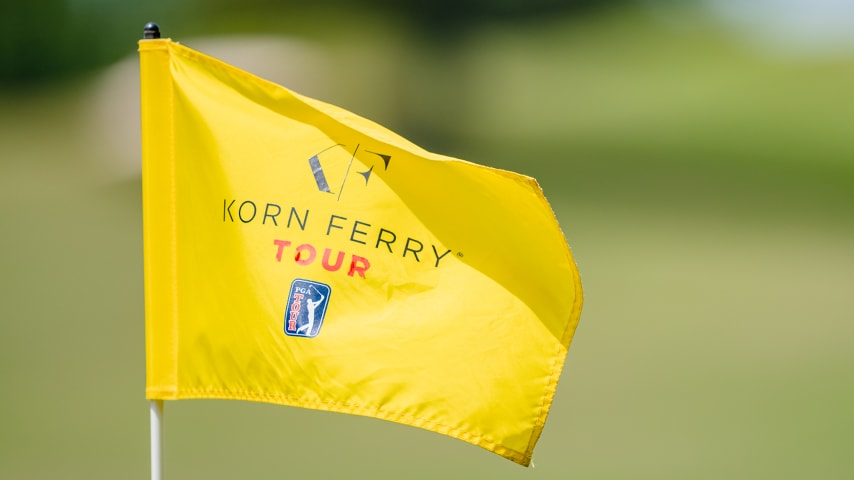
298, 254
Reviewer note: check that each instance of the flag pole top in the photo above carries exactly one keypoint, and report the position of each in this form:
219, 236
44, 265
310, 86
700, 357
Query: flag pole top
151, 31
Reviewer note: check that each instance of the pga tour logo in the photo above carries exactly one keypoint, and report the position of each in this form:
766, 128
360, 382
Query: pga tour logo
307, 302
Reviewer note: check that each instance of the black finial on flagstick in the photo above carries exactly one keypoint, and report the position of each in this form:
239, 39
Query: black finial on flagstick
151, 31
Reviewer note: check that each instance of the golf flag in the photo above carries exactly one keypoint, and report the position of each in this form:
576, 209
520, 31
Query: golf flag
298, 254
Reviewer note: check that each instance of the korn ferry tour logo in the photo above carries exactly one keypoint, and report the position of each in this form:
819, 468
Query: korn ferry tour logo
323, 235
307, 302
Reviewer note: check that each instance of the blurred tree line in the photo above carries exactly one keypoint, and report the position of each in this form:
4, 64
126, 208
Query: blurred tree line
53, 39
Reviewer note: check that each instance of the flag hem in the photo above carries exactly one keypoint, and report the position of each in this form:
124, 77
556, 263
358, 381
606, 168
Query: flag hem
522, 458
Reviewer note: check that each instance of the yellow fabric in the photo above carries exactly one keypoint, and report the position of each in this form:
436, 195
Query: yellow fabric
450, 293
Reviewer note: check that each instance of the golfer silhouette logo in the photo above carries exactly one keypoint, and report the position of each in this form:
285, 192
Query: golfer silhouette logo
306, 308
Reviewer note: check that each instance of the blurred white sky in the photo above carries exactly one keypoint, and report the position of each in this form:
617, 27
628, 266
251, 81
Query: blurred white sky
782, 28
814, 27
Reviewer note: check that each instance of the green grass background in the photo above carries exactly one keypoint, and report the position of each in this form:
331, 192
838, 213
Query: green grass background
707, 192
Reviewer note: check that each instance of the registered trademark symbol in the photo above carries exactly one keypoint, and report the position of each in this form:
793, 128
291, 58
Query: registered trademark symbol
460, 254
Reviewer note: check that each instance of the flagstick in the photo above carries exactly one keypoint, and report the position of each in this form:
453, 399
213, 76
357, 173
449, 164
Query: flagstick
152, 31
156, 439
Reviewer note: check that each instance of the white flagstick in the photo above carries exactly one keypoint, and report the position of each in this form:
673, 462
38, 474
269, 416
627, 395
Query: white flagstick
156, 439
152, 31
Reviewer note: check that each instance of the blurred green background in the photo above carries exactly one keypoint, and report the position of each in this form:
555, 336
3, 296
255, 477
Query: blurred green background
699, 156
